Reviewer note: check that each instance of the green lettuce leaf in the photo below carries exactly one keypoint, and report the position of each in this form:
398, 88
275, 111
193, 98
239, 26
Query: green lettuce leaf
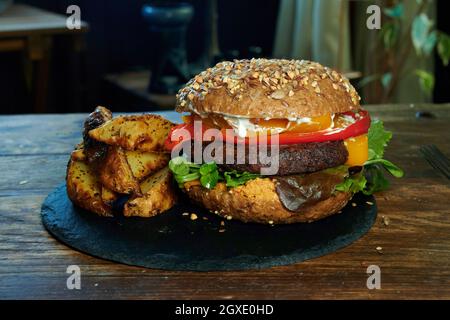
208, 174
373, 180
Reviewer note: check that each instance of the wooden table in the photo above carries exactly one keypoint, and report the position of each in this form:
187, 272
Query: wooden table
31, 30
415, 259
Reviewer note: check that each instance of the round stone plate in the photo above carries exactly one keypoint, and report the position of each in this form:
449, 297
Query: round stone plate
173, 241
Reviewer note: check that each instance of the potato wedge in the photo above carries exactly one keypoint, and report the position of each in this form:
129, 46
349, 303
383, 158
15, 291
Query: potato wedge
144, 163
78, 154
108, 196
84, 189
144, 132
115, 173
159, 195
94, 150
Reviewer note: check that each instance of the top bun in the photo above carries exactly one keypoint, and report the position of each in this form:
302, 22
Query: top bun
268, 88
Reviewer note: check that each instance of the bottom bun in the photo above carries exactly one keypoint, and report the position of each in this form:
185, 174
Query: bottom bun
257, 201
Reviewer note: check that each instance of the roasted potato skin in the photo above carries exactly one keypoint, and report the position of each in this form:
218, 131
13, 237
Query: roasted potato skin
109, 197
115, 173
95, 150
144, 163
84, 189
257, 201
145, 132
121, 156
159, 195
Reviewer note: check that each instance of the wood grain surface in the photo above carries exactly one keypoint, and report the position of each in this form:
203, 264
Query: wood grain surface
415, 258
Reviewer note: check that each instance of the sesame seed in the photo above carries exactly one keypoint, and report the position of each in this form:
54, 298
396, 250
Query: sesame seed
353, 204
291, 93
229, 217
278, 94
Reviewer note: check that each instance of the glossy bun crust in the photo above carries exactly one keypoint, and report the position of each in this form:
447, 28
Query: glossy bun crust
268, 88
257, 201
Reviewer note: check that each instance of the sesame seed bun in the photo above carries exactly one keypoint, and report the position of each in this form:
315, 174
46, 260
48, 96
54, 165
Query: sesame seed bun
268, 88
257, 201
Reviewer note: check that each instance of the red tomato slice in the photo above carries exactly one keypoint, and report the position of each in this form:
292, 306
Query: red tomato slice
359, 127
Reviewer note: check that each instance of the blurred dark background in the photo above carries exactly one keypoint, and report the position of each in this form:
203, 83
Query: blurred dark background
112, 69
119, 40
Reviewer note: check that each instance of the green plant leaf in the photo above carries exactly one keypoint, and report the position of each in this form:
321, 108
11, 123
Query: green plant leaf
395, 11
208, 174
368, 79
208, 168
210, 180
389, 34
179, 166
234, 178
443, 47
378, 139
426, 80
352, 184
376, 181
386, 79
389, 166
430, 42
419, 32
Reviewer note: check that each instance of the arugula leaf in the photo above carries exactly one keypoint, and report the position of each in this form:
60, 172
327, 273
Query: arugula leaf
378, 139
373, 179
389, 166
376, 180
208, 174
234, 178
352, 184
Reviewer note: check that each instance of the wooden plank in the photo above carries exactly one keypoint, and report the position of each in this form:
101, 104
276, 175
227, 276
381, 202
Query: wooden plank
21, 174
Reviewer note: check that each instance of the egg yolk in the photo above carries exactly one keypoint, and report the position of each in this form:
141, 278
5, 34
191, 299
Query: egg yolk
358, 150
315, 124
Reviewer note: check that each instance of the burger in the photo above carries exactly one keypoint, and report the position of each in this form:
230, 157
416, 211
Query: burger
309, 119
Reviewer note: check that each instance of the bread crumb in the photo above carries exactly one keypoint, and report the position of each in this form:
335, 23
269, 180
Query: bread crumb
229, 217
353, 204
222, 223
221, 230
193, 216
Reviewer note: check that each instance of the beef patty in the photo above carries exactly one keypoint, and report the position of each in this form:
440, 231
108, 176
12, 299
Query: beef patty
298, 158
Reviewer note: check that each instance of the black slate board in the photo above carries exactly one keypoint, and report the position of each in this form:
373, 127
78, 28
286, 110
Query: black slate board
172, 241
